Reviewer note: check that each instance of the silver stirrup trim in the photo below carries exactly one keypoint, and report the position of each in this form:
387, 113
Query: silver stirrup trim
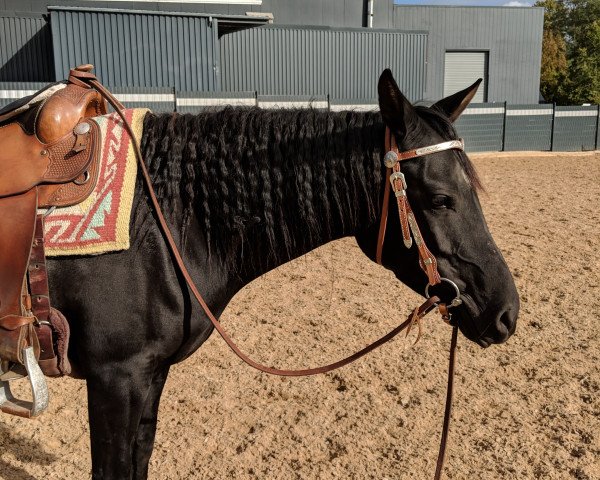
39, 390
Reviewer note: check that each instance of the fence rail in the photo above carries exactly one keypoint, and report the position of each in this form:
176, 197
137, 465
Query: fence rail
485, 126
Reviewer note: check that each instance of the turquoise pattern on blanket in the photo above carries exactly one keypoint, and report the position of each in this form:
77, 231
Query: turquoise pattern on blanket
98, 218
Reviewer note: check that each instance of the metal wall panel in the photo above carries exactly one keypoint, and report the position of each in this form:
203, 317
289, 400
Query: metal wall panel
512, 36
461, 68
344, 63
575, 128
11, 91
482, 127
132, 49
156, 99
25, 50
335, 13
194, 102
528, 127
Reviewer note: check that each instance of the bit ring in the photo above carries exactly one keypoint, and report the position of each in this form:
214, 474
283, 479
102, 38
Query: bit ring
456, 301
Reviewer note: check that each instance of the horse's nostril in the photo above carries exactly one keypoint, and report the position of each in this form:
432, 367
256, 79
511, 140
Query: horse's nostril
509, 321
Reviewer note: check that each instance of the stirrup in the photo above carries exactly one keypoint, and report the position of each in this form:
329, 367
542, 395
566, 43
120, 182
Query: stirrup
39, 390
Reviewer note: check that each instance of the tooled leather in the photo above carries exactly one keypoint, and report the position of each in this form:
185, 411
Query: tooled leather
38, 275
426, 259
40, 294
63, 110
66, 164
71, 193
26, 162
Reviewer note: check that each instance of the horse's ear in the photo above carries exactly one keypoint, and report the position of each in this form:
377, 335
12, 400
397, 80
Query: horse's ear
396, 110
454, 105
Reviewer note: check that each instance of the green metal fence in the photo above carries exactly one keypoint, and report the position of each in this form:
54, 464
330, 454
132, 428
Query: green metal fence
528, 127
488, 127
481, 126
575, 128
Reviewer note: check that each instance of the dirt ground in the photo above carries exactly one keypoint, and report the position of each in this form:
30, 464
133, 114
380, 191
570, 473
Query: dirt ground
527, 409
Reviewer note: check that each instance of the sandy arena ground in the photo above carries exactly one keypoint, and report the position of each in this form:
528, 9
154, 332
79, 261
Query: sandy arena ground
528, 409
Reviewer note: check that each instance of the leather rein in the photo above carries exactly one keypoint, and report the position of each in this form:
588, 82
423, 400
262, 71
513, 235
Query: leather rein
394, 180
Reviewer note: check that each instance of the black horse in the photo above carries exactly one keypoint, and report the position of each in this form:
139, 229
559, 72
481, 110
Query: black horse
246, 190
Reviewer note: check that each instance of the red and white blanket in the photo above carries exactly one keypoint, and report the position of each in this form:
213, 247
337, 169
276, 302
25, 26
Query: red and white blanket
100, 224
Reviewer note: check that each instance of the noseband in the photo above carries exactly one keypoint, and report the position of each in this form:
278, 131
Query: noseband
409, 224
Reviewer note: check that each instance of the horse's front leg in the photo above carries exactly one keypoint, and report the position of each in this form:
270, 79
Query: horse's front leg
144, 441
117, 395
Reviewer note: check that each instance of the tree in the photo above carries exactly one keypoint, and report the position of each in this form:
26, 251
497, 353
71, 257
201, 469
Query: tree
554, 65
571, 51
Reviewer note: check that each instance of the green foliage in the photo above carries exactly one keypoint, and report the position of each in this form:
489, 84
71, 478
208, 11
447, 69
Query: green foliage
571, 51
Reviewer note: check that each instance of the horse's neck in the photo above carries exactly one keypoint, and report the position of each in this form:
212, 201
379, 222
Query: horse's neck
332, 190
264, 187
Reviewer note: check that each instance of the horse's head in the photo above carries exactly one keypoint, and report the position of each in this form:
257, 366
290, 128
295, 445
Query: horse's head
442, 191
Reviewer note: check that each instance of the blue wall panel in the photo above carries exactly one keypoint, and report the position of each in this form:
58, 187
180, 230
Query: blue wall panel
528, 127
575, 128
481, 126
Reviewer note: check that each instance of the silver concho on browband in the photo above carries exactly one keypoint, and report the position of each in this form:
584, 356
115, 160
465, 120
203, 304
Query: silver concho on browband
390, 159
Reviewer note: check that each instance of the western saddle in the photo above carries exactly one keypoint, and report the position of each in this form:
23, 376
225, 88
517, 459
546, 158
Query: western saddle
48, 159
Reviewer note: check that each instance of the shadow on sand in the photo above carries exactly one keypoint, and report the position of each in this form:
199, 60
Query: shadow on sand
14, 445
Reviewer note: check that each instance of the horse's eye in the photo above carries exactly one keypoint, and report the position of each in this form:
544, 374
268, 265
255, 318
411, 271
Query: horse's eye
440, 201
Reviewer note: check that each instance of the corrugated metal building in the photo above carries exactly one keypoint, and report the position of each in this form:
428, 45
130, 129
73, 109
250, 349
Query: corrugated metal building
340, 62
136, 48
25, 49
502, 44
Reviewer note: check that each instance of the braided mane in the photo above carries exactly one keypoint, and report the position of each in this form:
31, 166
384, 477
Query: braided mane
294, 176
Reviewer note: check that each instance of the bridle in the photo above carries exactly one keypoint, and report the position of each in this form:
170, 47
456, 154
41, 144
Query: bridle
395, 180
408, 223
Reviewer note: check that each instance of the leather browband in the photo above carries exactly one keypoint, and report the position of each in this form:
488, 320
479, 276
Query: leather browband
439, 147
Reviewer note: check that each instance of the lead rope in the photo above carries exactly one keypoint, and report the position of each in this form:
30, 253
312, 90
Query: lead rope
83, 77
448, 407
